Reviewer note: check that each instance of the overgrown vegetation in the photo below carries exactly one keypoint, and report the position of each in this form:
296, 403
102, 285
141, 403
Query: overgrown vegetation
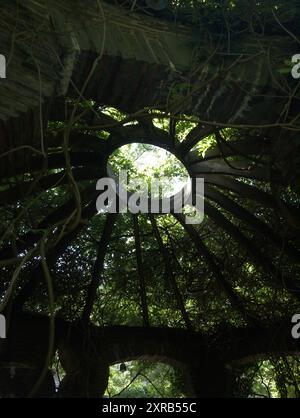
238, 269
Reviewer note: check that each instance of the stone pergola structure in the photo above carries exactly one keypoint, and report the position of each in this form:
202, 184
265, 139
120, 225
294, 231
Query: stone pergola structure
99, 52
208, 363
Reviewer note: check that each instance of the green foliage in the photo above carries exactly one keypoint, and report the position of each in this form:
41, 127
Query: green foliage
144, 379
276, 377
144, 163
118, 298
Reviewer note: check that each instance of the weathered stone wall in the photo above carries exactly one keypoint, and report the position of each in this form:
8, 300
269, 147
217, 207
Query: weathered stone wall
132, 60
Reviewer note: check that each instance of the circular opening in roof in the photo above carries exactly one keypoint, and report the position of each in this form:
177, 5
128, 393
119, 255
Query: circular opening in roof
149, 168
